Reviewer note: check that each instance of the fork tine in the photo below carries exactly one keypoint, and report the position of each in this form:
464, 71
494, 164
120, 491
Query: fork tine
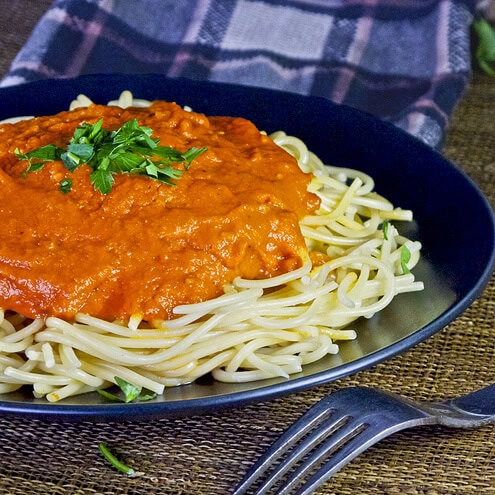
343, 446
323, 440
316, 415
347, 439
350, 448
308, 443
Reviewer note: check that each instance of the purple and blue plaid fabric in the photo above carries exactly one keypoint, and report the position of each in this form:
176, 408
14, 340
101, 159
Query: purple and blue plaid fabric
405, 61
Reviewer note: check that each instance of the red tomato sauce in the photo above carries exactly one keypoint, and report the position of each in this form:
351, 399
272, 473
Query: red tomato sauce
146, 246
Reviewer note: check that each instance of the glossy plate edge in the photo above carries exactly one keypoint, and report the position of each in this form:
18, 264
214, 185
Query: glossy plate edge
198, 94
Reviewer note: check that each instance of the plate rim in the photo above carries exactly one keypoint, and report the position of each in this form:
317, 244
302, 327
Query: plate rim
117, 411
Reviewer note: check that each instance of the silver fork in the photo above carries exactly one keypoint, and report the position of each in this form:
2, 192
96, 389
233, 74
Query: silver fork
344, 424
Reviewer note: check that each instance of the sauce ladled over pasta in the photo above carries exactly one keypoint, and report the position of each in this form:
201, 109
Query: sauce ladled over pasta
146, 246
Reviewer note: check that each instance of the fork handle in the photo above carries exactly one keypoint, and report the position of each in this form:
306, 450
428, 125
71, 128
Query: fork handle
481, 402
468, 411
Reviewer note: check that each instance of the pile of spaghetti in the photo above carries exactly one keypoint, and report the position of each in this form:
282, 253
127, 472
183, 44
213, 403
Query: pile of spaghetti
351, 264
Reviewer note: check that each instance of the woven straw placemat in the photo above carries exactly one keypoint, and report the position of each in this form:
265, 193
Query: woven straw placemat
208, 454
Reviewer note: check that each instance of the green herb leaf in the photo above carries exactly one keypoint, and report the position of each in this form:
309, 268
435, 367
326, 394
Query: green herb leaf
46, 153
191, 154
405, 256
38, 157
129, 149
65, 185
114, 461
385, 226
83, 151
485, 51
34, 167
127, 162
145, 396
130, 391
70, 161
102, 180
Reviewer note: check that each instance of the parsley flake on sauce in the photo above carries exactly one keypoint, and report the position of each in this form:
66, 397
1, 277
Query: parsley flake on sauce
127, 150
65, 185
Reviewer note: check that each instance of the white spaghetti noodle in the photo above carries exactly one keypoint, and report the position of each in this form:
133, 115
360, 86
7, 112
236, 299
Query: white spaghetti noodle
257, 329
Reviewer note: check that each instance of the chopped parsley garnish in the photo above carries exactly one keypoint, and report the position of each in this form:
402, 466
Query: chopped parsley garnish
130, 392
385, 225
114, 461
65, 185
128, 150
405, 256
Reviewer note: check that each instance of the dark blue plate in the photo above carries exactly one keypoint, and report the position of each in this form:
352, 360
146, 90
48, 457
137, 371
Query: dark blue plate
453, 220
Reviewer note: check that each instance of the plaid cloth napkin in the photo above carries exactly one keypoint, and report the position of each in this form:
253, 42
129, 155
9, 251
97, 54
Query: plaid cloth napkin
405, 61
